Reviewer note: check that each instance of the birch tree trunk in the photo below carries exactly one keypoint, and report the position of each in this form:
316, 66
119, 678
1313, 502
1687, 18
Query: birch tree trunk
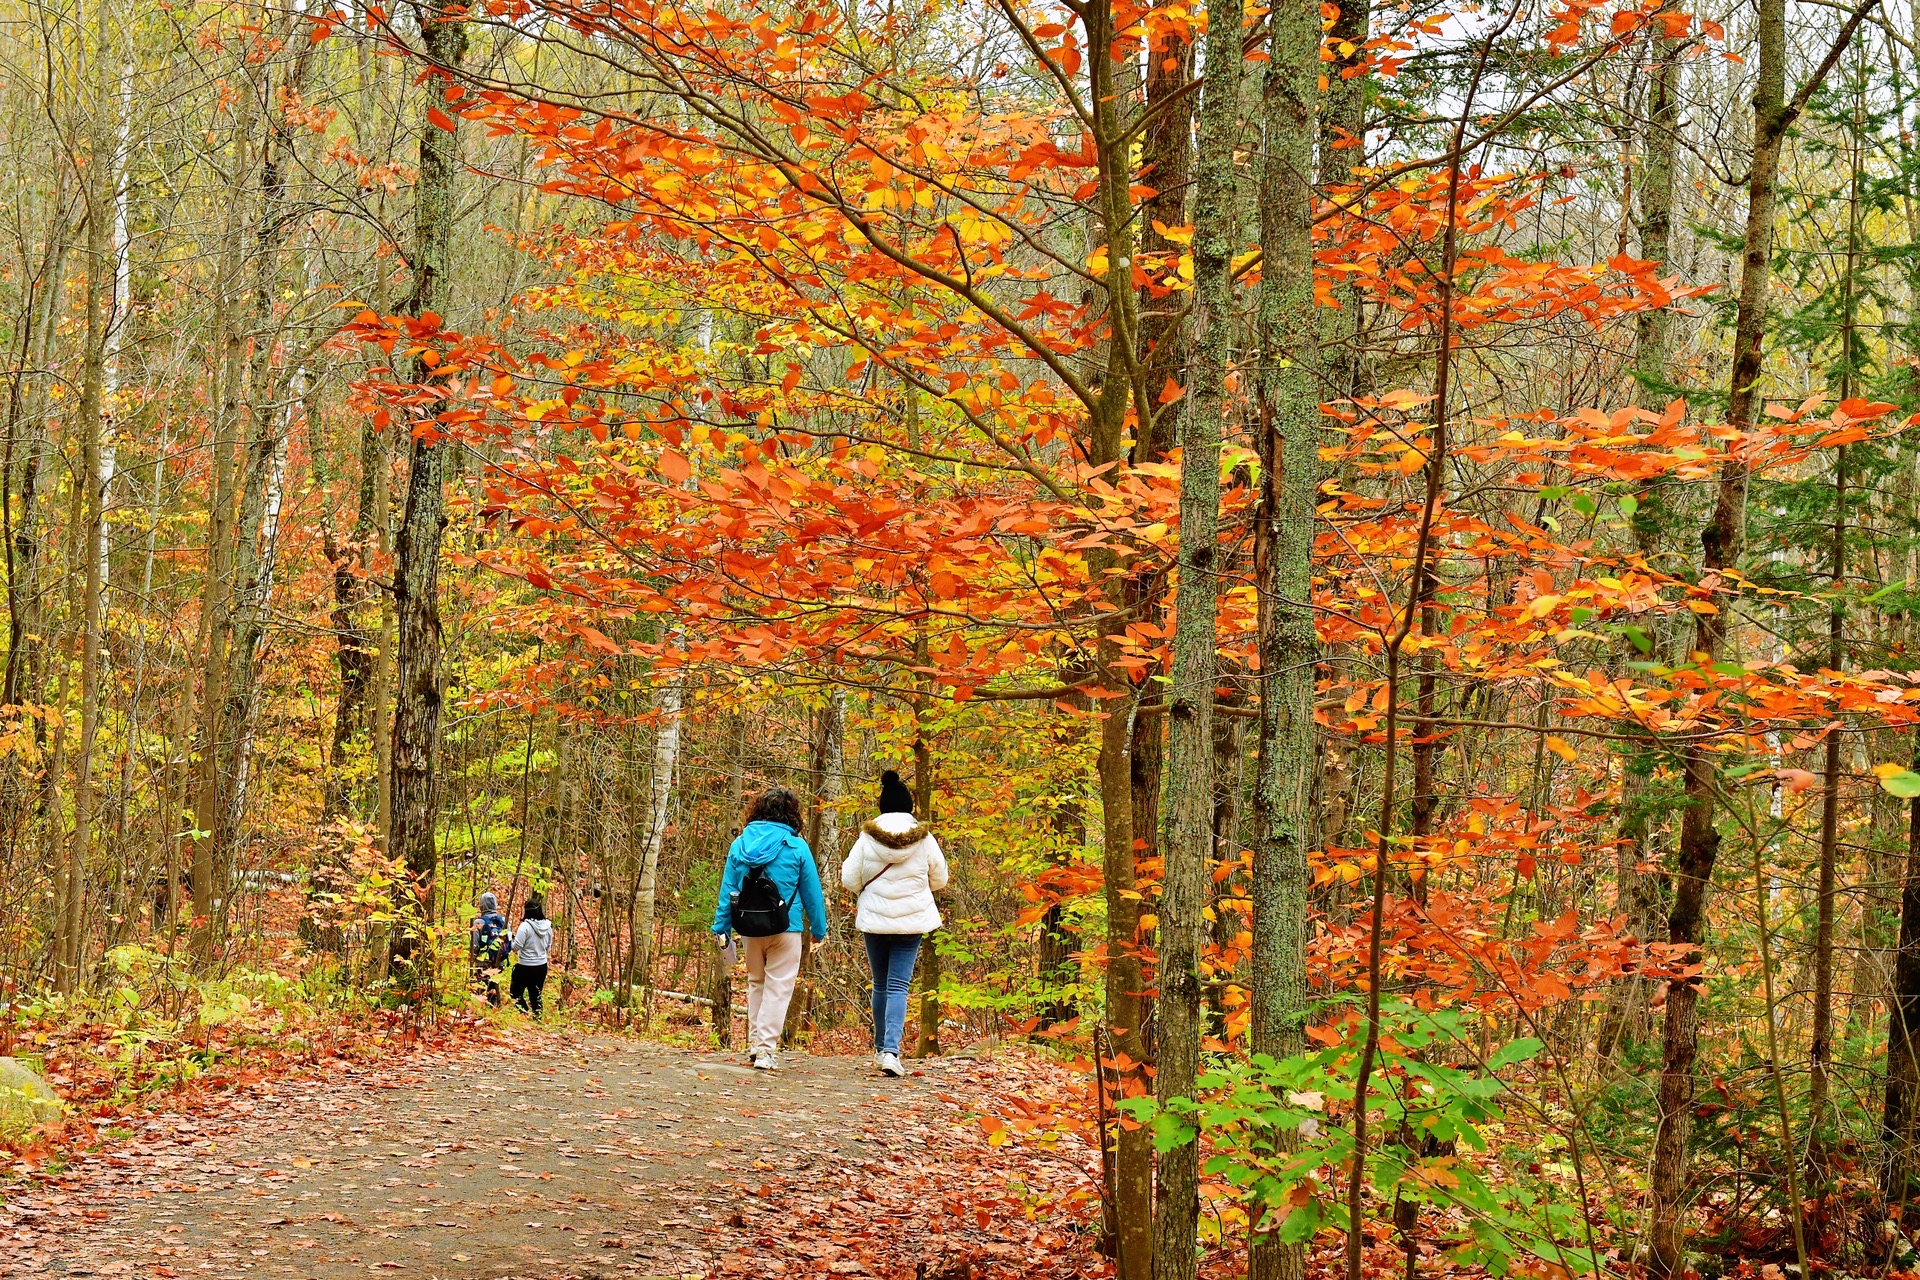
666, 759
101, 271
256, 545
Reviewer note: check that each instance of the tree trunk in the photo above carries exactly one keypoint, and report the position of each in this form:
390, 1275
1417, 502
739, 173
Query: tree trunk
1054, 949
1130, 1194
927, 1043
215, 600
1721, 543
416, 570
721, 992
353, 649
1900, 1113
72, 882
823, 838
1422, 810
1229, 787
1188, 853
263, 474
26, 645
1164, 343
1658, 200
1166, 165
666, 758
1627, 1017
1821, 1054
1289, 439
1425, 803
1342, 147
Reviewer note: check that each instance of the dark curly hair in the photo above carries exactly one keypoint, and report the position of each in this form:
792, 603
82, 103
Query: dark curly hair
776, 804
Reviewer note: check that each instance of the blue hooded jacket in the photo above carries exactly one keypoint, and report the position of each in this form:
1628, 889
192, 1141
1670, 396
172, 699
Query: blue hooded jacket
790, 866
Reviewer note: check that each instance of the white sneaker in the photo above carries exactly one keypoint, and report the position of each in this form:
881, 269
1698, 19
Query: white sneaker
879, 1060
890, 1063
765, 1062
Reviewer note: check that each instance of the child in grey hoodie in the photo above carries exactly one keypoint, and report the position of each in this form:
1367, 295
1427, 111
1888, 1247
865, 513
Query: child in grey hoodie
531, 944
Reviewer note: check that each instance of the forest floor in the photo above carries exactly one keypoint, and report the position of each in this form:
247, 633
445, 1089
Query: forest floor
550, 1156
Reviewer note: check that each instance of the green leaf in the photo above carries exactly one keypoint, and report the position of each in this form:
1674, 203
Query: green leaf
1515, 1051
1170, 1131
1304, 1223
1637, 637
1584, 504
1905, 784
1628, 505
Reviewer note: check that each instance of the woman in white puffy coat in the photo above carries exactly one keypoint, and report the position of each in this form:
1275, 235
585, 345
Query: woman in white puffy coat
895, 867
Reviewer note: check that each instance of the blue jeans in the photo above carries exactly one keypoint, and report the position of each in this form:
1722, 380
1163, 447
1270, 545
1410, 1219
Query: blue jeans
891, 957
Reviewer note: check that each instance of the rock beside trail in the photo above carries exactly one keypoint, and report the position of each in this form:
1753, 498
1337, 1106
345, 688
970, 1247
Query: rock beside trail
24, 1097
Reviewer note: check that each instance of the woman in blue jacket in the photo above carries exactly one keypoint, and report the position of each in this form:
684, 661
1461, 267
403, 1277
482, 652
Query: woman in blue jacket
770, 845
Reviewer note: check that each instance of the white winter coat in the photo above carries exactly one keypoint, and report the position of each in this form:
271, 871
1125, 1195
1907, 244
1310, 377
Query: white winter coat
899, 863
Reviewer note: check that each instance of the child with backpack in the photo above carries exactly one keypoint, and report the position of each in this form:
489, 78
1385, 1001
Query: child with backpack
770, 895
489, 946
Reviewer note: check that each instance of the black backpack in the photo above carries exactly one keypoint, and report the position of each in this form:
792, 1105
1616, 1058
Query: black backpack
758, 909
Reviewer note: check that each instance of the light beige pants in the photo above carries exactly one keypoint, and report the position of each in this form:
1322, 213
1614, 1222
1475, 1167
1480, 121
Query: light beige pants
772, 966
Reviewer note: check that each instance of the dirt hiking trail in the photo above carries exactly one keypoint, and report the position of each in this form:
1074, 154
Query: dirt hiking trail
557, 1158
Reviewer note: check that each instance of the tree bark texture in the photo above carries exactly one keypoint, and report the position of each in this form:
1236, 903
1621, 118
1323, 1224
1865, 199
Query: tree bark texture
1130, 1195
1289, 437
1900, 1111
1721, 542
666, 759
416, 573
263, 472
1188, 852
1658, 201
101, 273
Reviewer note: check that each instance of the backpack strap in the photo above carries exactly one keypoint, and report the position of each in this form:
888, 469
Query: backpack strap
870, 879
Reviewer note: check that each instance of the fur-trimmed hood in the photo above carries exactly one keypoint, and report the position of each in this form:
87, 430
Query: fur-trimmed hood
894, 838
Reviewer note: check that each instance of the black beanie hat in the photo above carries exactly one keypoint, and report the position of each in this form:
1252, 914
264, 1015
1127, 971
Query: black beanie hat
894, 796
